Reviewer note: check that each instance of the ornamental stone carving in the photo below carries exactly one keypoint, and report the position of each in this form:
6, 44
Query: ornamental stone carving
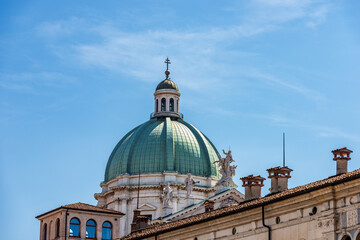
327, 225
227, 171
189, 184
167, 195
352, 218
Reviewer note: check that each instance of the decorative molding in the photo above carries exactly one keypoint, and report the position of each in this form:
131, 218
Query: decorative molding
352, 218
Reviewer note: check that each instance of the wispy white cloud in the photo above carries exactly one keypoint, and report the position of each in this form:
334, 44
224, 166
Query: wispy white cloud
329, 132
195, 50
311, 12
270, 79
60, 28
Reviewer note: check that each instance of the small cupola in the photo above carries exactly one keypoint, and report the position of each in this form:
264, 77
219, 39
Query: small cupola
341, 156
167, 97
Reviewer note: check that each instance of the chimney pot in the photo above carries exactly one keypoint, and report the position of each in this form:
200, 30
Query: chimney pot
341, 156
209, 205
252, 186
139, 222
279, 178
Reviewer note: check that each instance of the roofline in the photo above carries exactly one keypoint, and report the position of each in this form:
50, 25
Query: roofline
197, 204
254, 206
69, 208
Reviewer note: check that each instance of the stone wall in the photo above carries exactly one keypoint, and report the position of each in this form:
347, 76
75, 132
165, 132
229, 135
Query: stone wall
329, 213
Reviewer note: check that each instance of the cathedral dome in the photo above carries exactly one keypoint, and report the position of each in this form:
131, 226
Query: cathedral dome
163, 144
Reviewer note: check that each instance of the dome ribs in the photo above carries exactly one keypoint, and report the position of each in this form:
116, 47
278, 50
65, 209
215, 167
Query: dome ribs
170, 159
203, 147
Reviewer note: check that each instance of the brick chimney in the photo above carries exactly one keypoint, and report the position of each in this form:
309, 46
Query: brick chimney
209, 205
279, 178
341, 156
252, 186
139, 222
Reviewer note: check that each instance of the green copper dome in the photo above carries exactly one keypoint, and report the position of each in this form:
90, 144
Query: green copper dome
163, 145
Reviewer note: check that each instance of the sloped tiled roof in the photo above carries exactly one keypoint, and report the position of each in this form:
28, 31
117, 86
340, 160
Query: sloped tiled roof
165, 227
88, 207
84, 207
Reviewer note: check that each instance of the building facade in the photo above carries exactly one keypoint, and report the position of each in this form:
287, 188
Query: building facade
328, 210
166, 180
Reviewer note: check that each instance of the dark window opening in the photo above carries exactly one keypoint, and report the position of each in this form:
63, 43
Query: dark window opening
45, 232
171, 105
277, 220
57, 230
163, 104
346, 237
157, 105
313, 211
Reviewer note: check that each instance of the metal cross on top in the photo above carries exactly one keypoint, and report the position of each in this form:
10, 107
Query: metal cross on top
167, 61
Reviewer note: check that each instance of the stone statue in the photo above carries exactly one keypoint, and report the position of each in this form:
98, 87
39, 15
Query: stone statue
167, 195
189, 184
227, 171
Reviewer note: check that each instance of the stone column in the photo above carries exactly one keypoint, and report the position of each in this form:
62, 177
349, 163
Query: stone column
123, 220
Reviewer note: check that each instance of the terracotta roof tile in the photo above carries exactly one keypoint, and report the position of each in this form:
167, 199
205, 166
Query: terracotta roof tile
84, 207
165, 227
88, 207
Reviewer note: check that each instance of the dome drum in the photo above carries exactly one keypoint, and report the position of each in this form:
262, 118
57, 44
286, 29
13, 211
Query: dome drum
166, 103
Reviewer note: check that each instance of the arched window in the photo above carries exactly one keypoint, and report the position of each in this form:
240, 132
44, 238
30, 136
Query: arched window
358, 237
157, 105
177, 105
91, 229
74, 227
171, 105
346, 237
106, 231
57, 228
45, 232
163, 104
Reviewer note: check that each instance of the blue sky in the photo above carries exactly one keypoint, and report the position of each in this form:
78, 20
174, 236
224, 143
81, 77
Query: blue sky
75, 76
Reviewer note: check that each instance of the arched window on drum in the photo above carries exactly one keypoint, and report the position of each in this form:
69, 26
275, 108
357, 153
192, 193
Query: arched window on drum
163, 104
171, 105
